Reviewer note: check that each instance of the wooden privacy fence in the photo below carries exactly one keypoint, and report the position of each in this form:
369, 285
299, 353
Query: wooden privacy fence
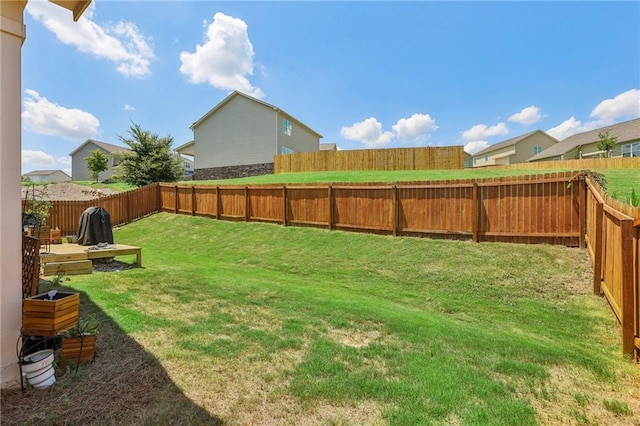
582, 164
448, 157
613, 241
548, 208
123, 208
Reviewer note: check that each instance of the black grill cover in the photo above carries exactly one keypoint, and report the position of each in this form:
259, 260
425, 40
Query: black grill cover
94, 227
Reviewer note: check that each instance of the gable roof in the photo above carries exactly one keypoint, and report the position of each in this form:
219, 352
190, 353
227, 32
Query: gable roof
510, 142
237, 93
328, 147
45, 173
110, 148
625, 131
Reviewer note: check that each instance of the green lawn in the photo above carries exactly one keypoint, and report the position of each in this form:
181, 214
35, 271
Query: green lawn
260, 324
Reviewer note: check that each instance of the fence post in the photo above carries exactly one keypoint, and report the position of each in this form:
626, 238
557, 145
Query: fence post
284, 206
129, 207
475, 196
217, 202
330, 203
597, 249
628, 335
582, 210
193, 200
247, 204
395, 210
175, 192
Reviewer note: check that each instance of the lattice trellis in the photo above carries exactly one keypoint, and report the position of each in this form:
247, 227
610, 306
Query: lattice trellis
30, 266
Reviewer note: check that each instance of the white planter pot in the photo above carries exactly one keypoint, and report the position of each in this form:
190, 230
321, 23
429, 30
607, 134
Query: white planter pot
38, 367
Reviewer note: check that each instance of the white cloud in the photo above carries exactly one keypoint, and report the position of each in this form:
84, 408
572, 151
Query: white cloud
225, 59
475, 146
48, 118
527, 116
482, 131
416, 128
128, 107
625, 105
368, 132
37, 158
570, 127
121, 43
64, 161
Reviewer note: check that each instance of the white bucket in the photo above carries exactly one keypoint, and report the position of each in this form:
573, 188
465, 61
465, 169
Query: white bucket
38, 367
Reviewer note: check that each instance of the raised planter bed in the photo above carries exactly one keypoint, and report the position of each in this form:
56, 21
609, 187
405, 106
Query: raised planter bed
42, 316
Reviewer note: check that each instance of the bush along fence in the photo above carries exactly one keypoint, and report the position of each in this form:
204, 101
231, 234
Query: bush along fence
567, 208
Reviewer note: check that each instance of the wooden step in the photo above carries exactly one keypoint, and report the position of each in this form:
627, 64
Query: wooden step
66, 257
76, 267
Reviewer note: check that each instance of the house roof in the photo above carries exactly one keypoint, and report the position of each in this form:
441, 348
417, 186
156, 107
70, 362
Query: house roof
185, 147
45, 173
328, 147
625, 131
110, 148
510, 142
237, 93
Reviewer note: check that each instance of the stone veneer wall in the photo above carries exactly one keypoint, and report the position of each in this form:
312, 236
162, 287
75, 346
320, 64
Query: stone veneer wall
230, 172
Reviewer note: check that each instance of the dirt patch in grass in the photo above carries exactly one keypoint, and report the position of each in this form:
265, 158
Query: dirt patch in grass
66, 191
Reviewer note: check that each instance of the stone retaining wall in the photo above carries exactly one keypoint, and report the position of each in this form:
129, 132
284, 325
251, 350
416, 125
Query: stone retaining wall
230, 172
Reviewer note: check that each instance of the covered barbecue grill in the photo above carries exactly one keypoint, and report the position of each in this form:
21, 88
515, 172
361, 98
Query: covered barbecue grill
94, 227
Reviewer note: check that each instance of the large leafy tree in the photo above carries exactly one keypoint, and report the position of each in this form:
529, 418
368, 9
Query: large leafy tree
150, 159
97, 162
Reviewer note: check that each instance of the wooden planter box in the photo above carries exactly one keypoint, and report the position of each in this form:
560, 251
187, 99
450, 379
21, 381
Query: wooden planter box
44, 317
71, 349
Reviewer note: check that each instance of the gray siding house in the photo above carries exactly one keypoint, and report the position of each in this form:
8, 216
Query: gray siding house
47, 176
240, 136
585, 145
514, 150
79, 170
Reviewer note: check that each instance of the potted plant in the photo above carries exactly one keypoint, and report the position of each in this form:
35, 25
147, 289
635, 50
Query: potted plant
79, 342
50, 313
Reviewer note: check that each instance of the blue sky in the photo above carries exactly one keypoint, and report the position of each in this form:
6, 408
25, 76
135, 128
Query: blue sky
362, 74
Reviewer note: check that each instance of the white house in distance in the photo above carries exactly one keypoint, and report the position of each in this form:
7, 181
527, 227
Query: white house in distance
47, 176
240, 136
585, 145
79, 170
514, 150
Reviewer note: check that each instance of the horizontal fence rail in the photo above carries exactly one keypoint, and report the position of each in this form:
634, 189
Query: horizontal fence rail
422, 158
541, 209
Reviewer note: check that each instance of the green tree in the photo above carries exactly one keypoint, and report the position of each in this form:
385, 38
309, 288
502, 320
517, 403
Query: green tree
150, 159
97, 162
606, 143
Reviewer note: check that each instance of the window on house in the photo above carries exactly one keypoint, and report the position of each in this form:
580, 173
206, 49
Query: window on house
114, 161
537, 150
286, 150
475, 160
286, 127
187, 165
486, 157
631, 150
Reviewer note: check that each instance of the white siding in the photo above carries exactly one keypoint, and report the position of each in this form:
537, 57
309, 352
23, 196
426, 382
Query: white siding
241, 132
301, 139
79, 170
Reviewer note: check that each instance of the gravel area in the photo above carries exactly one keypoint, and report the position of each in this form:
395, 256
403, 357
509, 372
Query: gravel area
66, 191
